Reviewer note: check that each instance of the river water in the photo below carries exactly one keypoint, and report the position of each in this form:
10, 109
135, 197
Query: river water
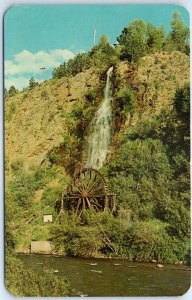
100, 277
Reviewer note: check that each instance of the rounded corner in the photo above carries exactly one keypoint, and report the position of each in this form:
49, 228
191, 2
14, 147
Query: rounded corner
8, 9
8, 291
187, 290
181, 6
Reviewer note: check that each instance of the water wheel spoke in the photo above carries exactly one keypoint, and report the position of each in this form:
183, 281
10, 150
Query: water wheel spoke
79, 186
83, 200
80, 213
78, 205
96, 183
96, 191
93, 178
95, 201
69, 189
88, 202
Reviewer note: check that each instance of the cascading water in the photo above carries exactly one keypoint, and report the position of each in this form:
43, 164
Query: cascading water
99, 141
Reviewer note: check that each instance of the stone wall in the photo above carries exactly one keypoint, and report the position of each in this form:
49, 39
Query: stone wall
41, 247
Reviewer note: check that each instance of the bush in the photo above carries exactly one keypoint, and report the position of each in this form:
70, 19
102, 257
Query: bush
90, 95
125, 102
73, 239
150, 240
51, 195
28, 283
21, 189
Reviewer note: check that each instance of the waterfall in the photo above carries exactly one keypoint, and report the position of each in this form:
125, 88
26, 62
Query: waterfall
99, 141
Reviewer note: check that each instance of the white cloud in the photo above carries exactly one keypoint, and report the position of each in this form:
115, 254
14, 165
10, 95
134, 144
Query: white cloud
18, 82
27, 62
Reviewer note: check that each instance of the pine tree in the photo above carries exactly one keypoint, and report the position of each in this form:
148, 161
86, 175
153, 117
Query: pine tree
178, 39
155, 38
32, 83
133, 41
12, 91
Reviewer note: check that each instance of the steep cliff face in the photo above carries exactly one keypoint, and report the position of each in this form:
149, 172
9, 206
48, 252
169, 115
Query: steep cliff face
155, 81
36, 121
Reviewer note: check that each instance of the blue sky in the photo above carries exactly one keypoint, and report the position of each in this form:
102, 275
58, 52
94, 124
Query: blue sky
45, 36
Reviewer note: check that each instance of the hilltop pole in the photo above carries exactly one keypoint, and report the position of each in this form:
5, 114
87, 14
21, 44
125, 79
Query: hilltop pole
94, 36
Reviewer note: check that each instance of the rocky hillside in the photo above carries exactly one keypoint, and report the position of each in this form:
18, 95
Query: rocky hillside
37, 120
155, 80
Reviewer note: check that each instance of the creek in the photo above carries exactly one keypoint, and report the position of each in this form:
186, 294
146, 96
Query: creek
114, 277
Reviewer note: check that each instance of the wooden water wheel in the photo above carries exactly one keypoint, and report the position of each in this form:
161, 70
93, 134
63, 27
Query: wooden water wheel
88, 189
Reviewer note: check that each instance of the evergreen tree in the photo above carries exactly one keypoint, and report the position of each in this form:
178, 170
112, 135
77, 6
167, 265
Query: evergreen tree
178, 38
32, 83
6, 94
12, 91
60, 72
133, 41
155, 38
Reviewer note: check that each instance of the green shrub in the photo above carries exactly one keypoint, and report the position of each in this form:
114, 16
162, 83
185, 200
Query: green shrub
21, 189
44, 94
150, 240
51, 195
91, 95
23, 282
125, 102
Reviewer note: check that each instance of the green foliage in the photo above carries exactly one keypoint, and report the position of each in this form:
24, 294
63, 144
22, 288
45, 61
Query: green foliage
44, 94
125, 102
32, 83
133, 41
76, 240
138, 39
150, 240
21, 189
10, 111
79, 63
60, 72
51, 195
6, 94
155, 38
12, 91
103, 55
178, 38
100, 56
141, 158
79, 119
99, 234
91, 95
182, 104
28, 283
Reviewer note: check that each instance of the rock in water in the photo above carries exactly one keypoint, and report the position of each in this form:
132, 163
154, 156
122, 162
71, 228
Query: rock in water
160, 266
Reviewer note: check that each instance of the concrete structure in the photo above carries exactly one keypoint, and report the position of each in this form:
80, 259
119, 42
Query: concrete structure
41, 247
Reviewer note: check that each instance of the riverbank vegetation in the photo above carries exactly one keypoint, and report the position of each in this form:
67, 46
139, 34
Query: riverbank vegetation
148, 167
23, 282
150, 176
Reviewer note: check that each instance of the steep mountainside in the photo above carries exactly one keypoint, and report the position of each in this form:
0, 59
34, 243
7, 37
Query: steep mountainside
36, 121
